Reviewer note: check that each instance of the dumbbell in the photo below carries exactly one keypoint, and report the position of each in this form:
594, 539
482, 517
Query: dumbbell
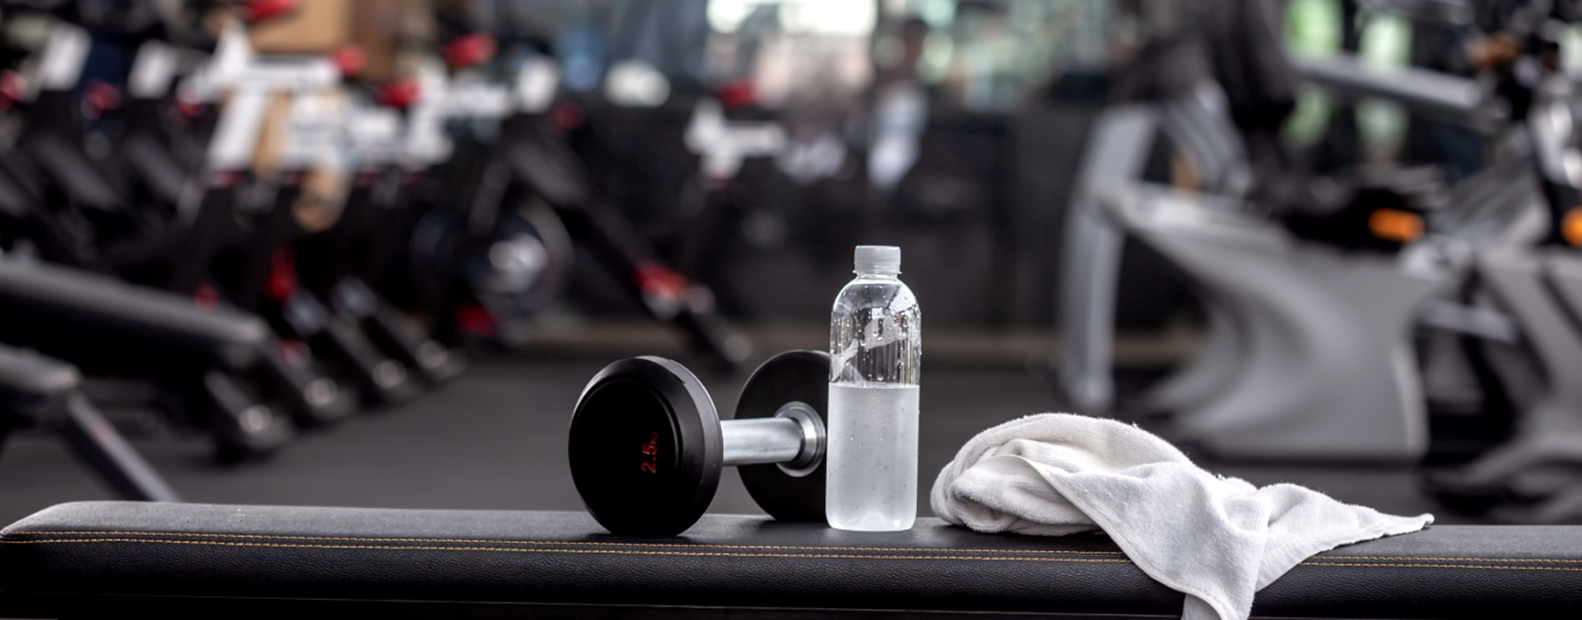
647, 445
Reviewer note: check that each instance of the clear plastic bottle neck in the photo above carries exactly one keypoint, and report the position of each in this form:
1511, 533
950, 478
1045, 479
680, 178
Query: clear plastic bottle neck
877, 275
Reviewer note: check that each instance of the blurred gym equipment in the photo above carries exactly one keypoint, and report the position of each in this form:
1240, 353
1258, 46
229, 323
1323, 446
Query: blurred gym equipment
117, 329
281, 159
137, 239
1531, 477
1301, 344
530, 158
288, 111
38, 392
1309, 354
1317, 296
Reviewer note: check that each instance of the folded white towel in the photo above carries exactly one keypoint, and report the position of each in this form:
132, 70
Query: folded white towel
1216, 539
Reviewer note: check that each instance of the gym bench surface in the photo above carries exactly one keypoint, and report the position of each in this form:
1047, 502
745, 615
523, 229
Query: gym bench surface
97, 559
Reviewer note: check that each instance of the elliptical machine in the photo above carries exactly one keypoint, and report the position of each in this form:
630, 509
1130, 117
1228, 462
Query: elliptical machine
1311, 311
1531, 477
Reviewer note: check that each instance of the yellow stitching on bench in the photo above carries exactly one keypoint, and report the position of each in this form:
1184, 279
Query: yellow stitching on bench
1387, 557
716, 546
736, 555
569, 542
1385, 565
586, 551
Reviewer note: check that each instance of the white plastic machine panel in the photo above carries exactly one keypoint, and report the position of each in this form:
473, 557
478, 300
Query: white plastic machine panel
374, 135
316, 119
439, 100
231, 55
426, 141
724, 144
64, 55
294, 74
318, 130
536, 81
152, 70
234, 65
473, 98
236, 135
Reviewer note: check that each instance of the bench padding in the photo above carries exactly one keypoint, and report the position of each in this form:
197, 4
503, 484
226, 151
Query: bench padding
80, 308
31, 384
471, 557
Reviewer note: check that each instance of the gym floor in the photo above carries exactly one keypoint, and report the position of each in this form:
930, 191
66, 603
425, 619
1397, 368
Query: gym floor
495, 439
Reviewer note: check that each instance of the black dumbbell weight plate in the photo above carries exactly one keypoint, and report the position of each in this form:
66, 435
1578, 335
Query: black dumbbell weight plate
793, 376
645, 447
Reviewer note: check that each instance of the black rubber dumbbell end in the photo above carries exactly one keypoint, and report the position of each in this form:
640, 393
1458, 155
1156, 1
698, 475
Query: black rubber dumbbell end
792, 379
645, 447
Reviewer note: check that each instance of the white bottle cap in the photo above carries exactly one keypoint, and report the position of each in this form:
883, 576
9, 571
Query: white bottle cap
884, 259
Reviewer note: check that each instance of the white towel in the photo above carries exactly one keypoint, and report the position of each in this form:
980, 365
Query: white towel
1216, 539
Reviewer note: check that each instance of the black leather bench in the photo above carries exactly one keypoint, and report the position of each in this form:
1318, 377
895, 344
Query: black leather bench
85, 317
37, 391
105, 327
32, 386
187, 560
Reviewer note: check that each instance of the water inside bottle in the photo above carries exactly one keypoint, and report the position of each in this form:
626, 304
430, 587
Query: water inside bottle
872, 473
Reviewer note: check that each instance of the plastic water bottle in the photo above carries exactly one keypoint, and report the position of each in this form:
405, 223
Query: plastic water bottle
875, 340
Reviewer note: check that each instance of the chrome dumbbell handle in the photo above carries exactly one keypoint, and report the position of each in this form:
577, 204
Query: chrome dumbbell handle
794, 439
